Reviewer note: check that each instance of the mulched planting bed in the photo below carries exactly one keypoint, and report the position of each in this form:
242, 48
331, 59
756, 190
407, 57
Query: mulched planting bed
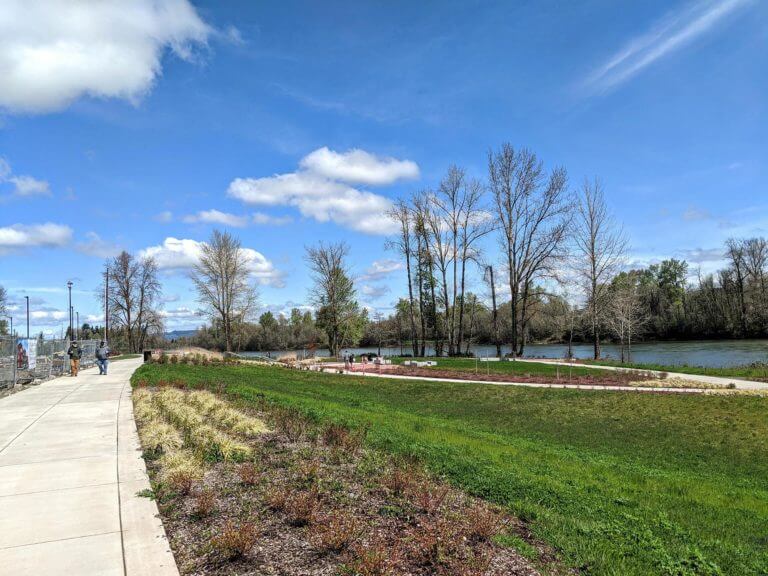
609, 379
313, 500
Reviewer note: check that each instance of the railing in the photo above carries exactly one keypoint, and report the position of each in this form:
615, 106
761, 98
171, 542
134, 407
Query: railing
51, 360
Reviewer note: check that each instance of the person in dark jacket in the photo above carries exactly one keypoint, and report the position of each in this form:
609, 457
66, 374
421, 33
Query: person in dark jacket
102, 357
74, 353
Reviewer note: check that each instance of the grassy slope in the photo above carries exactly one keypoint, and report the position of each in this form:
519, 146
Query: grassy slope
747, 372
621, 483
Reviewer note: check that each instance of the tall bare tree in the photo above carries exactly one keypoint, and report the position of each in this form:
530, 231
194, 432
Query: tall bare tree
223, 282
134, 298
402, 214
600, 247
533, 209
333, 294
474, 223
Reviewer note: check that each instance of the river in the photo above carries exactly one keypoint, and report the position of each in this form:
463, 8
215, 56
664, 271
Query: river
711, 353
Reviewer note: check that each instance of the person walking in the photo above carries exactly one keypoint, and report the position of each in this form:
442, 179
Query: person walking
74, 353
102, 357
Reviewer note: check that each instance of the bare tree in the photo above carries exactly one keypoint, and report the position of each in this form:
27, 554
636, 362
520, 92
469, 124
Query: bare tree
223, 282
403, 215
134, 298
600, 247
736, 252
333, 293
494, 310
425, 275
474, 223
533, 210
626, 315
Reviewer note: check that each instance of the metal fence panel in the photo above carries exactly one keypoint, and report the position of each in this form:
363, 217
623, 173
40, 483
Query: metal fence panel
52, 360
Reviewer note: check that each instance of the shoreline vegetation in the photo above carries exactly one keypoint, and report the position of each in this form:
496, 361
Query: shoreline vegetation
614, 483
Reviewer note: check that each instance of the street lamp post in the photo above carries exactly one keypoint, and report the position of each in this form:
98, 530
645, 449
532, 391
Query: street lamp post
77, 326
27, 297
69, 286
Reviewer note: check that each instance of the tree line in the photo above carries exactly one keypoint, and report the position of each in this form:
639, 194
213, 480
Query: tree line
561, 267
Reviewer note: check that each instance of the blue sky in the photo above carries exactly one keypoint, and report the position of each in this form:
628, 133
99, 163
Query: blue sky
141, 125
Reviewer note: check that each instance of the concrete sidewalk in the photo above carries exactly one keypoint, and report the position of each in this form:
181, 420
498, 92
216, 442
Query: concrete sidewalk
70, 471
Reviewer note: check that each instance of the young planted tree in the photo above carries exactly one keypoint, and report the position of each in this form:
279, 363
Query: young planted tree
533, 210
333, 294
626, 315
223, 282
600, 247
134, 299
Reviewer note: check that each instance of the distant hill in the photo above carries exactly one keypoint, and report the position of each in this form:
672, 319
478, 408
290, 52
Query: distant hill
176, 334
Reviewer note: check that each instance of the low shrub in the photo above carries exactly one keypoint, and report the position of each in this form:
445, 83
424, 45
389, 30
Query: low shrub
205, 503
248, 473
234, 541
370, 560
482, 523
400, 480
336, 533
429, 497
302, 507
290, 422
276, 497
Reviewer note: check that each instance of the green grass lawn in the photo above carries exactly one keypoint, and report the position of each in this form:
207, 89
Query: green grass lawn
125, 357
509, 367
620, 484
755, 371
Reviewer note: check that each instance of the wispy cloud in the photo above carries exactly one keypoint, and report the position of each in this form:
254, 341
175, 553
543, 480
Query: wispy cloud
671, 33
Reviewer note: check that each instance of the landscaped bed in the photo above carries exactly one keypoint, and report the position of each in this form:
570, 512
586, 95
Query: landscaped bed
561, 377
616, 483
265, 490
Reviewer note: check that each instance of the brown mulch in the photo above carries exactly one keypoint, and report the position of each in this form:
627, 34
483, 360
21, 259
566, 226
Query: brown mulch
609, 379
312, 484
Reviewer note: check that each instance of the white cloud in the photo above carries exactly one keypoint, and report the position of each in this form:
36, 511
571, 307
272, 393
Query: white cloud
164, 217
261, 218
180, 313
95, 246
21, 236
381, 269
672, 33
702, 255
23, 185
359, 167
320, 190
182, 254
28, 186
53, 52
694, 214
217, 217
318, 198
374, 291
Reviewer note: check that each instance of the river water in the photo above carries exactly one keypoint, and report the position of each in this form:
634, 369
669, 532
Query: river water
711, 353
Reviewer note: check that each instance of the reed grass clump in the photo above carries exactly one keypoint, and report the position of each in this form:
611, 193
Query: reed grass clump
207, 441
225, 415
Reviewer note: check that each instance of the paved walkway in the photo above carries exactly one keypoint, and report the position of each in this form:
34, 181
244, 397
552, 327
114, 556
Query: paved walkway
740, 383
70, 471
